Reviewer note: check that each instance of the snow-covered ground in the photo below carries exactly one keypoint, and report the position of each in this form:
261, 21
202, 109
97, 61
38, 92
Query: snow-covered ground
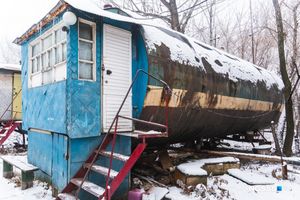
219, 187
227, 187
10, 188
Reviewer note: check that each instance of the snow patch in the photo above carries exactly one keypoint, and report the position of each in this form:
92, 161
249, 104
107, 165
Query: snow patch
250, 178
194, 167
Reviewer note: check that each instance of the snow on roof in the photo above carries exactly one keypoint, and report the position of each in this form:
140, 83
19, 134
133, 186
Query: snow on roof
186, 50
194, 167
11, 67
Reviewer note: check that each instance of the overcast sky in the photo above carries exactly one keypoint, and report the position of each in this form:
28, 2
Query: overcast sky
16, 16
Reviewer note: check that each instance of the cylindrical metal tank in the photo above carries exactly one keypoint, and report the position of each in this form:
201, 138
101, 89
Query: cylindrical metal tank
213, 93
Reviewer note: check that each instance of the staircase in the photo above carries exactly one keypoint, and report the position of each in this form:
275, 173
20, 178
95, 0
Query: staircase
114, 178
7, 130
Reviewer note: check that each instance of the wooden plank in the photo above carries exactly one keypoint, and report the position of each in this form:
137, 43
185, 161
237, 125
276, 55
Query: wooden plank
102, 170
249, 156
117, 156
7, 170
67, 196
89, 187
165, 160
19, 162
250, 178
190, 179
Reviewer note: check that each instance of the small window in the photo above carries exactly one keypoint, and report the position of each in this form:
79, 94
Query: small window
48, 55
85, 31
86, 50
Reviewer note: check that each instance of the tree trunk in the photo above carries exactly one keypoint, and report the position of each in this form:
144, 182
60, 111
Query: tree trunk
288, 141
172, 7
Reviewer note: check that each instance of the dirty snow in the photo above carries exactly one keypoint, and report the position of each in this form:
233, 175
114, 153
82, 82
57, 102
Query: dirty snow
13, 139
155, 193
227, 187
194, 167
10, 188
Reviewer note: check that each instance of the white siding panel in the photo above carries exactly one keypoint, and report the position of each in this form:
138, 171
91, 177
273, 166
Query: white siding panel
36, 80
117, 58
60, 72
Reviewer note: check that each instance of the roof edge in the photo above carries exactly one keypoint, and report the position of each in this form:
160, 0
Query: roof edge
55, 11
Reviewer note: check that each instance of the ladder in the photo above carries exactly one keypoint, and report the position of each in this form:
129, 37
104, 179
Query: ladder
115, 178
9, 126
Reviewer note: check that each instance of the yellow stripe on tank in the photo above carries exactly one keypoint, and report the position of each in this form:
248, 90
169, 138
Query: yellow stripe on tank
204, 100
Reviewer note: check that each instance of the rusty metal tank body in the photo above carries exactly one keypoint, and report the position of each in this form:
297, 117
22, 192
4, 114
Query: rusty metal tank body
214, 94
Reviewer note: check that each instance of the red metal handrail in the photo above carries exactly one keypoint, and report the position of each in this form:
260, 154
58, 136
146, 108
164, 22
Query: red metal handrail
168, 92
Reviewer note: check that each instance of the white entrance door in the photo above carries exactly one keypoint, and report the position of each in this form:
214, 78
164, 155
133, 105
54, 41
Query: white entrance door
116, 77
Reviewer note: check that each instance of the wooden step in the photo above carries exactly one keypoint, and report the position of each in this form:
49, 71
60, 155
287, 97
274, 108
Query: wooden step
103, 170
66, 196
144, 134
90, 187
116, 156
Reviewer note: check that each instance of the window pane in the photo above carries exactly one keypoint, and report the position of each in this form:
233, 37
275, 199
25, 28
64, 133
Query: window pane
85, 51
35, 49
85, 71
64, 51
33, 65
60, 35
85, 31
44, 60
47, 42
38, 63
50, 58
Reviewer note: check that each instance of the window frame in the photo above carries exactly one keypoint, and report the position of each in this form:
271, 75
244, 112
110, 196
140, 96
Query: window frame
93, 62
39, 40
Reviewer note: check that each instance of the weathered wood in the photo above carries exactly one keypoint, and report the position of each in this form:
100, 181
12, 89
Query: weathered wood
165, 160
27, 170
257, 157
220, 168
150, 180
190, 179
19, 163
27, 178
284, 171
7, 170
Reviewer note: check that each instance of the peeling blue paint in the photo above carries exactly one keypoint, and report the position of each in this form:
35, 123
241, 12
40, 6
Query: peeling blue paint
71, 109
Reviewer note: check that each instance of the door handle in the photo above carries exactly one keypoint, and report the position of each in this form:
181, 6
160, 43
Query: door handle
108, 72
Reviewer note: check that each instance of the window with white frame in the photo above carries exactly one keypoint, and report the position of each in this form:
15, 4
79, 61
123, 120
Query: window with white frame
47, 57
86, 50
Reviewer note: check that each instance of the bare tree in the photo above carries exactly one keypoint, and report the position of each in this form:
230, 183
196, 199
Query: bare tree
9, 52
176, 13
288, 142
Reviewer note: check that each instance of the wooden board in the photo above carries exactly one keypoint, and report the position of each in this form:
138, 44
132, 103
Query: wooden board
19, 162
250, 178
